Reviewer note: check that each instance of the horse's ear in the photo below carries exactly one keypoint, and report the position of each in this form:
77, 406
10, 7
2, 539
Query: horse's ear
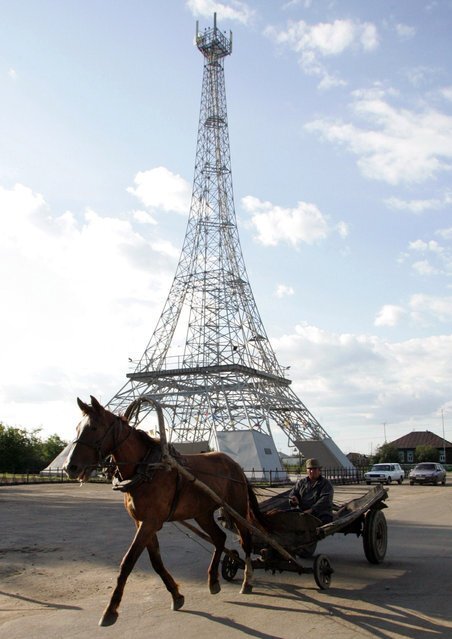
95, 404
83, 407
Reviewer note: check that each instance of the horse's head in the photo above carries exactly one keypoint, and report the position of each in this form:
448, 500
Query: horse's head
94, 441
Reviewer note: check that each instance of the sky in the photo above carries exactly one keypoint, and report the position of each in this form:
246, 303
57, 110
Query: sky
340, 124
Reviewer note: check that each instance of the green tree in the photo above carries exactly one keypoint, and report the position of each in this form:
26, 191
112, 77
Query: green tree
386, 453
426, 453
22, 451
15, 448
52, 447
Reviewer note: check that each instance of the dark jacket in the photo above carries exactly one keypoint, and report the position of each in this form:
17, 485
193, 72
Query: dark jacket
316, 496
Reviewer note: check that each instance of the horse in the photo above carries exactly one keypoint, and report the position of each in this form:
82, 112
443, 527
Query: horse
161, 494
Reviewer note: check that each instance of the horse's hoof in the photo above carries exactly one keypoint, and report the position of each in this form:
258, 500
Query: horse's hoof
215, 588
178, 602
108, 618
247, 589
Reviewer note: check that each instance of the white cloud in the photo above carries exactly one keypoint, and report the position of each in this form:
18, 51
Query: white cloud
425, 247
398, 145
415, 206
437, 259
446, 92
314, 43
282, 290
428, 305
84, 293
352, 383
232, 10
445, 233
419, 206
342, 229
405, 31
421, 309
306, 4
389, 315
160, 189
12, 73
275, 224
164, 247
420, 74
143, 217
424, 267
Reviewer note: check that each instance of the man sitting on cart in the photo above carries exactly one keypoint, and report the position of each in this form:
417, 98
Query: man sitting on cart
313, 494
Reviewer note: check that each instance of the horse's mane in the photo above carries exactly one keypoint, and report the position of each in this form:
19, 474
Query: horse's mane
147, 439
154, 443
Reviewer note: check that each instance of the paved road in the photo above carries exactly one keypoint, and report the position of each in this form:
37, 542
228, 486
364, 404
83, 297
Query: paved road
61, 545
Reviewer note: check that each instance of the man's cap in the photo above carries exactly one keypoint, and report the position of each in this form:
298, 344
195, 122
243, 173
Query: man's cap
312, 463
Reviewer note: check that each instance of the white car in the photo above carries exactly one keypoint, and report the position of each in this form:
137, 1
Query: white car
385, 473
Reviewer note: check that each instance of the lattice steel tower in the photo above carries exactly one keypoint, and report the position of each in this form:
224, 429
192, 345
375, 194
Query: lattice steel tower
227, 376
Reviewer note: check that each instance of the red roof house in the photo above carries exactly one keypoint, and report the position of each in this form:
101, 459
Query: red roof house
407, 444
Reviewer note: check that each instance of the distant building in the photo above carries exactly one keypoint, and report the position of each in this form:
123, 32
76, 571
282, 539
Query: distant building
290, 460
407, 444
358, 459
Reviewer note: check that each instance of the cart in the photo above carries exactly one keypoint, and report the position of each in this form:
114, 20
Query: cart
299, 534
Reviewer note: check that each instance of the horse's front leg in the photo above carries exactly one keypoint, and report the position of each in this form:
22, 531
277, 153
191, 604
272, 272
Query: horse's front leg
157, 564
128, 562
218, 537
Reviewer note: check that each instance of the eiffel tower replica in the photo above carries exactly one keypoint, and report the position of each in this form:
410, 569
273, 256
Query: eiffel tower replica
226, 376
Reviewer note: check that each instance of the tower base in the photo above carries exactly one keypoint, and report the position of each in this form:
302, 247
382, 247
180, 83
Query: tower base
326, 451
255, 452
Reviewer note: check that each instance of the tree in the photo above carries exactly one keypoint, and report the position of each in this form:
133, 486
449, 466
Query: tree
387, 453
426, 453
52, 447
22, 451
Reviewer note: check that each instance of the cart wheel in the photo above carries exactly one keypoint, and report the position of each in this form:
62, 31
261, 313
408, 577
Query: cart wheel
375, 536
230, 565
322, 572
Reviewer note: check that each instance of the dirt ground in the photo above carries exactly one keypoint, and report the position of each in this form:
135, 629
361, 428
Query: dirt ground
61, 546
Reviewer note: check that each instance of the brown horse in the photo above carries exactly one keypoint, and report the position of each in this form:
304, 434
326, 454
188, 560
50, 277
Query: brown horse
163, 495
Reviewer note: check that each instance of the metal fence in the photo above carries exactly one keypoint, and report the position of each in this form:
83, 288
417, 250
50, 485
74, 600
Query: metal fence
57, 476
337, 476
269, 477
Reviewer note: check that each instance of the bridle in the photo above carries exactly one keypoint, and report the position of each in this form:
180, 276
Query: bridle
97, 446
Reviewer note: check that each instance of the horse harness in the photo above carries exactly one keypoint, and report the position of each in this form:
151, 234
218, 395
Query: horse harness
146, 469
152, 461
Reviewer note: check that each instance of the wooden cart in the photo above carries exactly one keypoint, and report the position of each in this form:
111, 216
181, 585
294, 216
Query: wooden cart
299, 534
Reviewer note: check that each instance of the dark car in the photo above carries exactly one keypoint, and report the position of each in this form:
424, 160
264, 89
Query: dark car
427, 473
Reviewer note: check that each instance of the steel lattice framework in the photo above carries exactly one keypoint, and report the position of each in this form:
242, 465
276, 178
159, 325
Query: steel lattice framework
227, 376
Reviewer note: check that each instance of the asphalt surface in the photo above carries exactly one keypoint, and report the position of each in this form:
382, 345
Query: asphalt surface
61, 546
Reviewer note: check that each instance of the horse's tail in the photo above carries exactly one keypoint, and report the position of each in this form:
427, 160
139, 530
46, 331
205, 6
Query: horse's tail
254, 507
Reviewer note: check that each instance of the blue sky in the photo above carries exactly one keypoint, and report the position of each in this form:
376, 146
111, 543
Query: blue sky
340, 121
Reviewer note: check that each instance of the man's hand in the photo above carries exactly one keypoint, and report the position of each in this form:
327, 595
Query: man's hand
293, 501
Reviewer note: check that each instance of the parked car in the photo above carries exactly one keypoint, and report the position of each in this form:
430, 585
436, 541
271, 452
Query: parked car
427, 473
385, 473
